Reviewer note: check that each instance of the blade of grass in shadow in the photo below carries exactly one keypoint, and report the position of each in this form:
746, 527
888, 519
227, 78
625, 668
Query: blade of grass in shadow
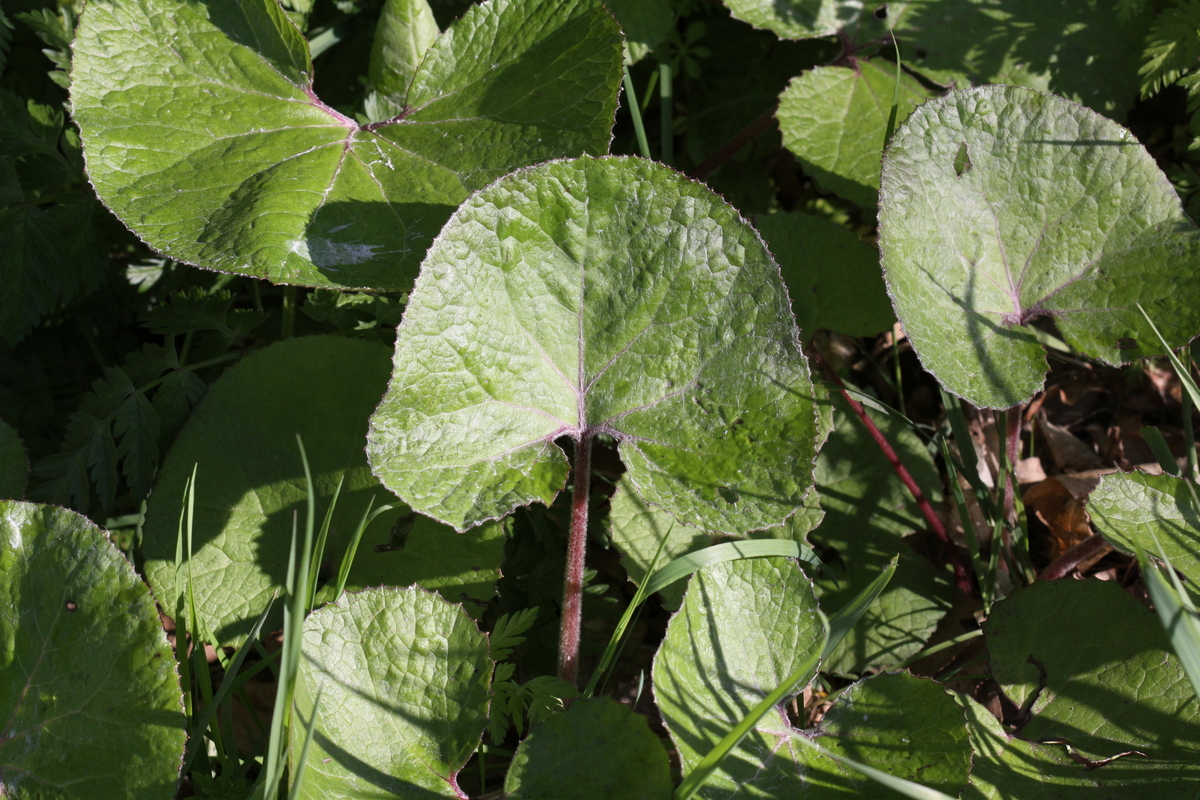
983, 577
612, 648
891, 123
708, 765
1189, 387
226, 687
319, 549
937, 648
352, 549
844, 620
293, 621
905, 787
728, 551
1177, 612
636, 113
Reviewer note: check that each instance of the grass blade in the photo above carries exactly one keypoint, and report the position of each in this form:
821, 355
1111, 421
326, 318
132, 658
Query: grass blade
844, 620
1178, 614
728, 551
352, 549
302, 763
905, 787
708, 765
636, 113
319, 549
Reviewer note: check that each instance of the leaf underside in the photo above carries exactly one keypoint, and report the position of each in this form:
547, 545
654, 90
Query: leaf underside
598, 296
203, 134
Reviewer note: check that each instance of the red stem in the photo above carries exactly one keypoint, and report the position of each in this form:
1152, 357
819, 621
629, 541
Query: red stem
572, 605
1012, 453
935, 523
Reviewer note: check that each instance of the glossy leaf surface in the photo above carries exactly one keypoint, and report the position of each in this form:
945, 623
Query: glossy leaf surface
403, 678
203, 133
250, 483
1001, 206
88, 690
598, 296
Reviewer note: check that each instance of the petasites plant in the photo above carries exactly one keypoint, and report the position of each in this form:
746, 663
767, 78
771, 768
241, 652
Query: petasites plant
1001, 206
203, 133
88, 690
594, 297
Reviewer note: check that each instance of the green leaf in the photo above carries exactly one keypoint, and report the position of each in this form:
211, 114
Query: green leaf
744, 627
14, 464
905, 726
598, 295
88, 688
1057, 654
405, 33
403, 678
1134, 510
868, 510
999, 206
645, 23
638, 528
597, 749
205, 137
250, 483
1172, 46
850, 299
835, 119
1080, 49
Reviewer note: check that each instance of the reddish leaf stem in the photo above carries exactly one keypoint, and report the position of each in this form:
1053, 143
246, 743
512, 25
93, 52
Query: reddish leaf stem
1012, 453
572, 605
935, 523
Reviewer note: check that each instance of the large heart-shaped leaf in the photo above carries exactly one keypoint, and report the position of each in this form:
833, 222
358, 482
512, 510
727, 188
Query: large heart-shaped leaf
1093, 672
598, 296
1135, 510
1050, 45
403, 680
835, 120
203, 133
1001, 206
88, 690
250, 482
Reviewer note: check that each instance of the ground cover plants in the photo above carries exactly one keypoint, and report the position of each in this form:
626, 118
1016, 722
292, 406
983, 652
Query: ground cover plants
553, 399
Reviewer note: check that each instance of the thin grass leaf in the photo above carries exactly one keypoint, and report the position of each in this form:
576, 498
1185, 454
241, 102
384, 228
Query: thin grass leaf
322, 537
226, 687
905, 787
636, 113
352, 549
728, 551
302, 763
844, 620
708, 765
983, 577
612, 649
1185, 376
1162, 451
1177, 612
937, 648
892, 115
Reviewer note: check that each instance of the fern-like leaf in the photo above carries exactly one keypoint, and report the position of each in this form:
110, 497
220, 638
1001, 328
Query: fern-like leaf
1172, 47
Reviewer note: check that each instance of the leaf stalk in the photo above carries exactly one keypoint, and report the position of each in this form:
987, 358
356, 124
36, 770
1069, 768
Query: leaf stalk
572, 605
